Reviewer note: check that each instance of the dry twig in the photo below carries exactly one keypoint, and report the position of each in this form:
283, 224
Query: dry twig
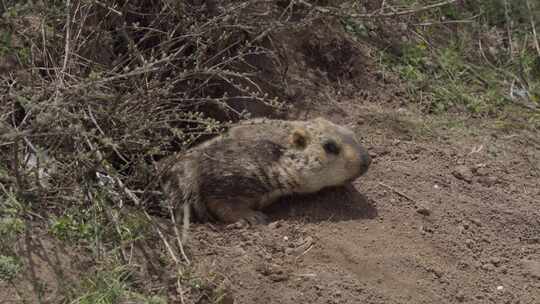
378, 13
531, 19
398, 192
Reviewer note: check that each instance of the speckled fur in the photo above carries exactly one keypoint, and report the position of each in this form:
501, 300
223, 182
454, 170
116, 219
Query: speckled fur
232, 177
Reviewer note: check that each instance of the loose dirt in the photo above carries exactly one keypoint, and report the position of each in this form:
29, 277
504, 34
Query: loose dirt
446, 217
449, 212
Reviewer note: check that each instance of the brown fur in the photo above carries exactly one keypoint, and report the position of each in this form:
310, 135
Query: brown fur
233, 176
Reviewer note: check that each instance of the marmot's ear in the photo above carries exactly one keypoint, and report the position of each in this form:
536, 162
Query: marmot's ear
299, 139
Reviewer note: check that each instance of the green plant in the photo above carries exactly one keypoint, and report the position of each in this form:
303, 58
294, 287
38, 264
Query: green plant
109, 286
9, 268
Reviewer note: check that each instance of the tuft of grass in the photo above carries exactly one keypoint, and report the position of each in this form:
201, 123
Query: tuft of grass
74, 227
9, 268
110, 286
442, 79
483, 64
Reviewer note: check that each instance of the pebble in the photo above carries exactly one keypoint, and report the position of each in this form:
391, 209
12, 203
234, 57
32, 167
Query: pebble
423, 211
481, 171
378, 152
477, 222
463, 173
488, 267
274, 225
495, 261
488, 181
531, 268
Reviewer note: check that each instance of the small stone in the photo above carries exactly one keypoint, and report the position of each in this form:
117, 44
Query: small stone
531, 268
227, 298
495, 261
480, 171
423, 211
460, 296
488, 267
463, 173
469, 243
279, 277
274, 225
500, 287
477, 222
488, 181
462, 265
378, 152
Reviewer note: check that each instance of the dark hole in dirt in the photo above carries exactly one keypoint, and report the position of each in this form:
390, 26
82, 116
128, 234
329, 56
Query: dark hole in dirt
335, 58
332, 205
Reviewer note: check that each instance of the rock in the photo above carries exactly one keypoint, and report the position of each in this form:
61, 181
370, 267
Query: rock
469, 243
463, 173
274, 272
227, 298
477, 222
488, 181
488, 267
274, 225
480, 171
379, 151
531, 268
423, 211
460, 297
495, 261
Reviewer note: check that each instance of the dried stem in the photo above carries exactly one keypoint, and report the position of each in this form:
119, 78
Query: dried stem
378, 13
531, 19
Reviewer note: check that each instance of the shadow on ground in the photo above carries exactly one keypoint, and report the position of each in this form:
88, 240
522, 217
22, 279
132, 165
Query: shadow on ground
332, 204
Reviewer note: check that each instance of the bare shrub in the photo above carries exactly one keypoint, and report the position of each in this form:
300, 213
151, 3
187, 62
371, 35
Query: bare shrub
109, 86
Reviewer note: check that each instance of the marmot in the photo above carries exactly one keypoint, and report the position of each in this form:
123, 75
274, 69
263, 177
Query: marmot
231, 177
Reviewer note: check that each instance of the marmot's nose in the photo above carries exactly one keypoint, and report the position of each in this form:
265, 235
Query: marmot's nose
365, 161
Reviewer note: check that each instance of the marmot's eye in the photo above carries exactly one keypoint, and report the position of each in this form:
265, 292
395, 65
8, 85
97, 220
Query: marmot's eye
331, 147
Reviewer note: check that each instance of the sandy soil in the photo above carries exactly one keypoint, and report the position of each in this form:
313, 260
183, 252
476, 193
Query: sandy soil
453, 217
449, 212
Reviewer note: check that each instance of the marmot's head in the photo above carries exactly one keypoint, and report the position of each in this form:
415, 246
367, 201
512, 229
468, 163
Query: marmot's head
326, 154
